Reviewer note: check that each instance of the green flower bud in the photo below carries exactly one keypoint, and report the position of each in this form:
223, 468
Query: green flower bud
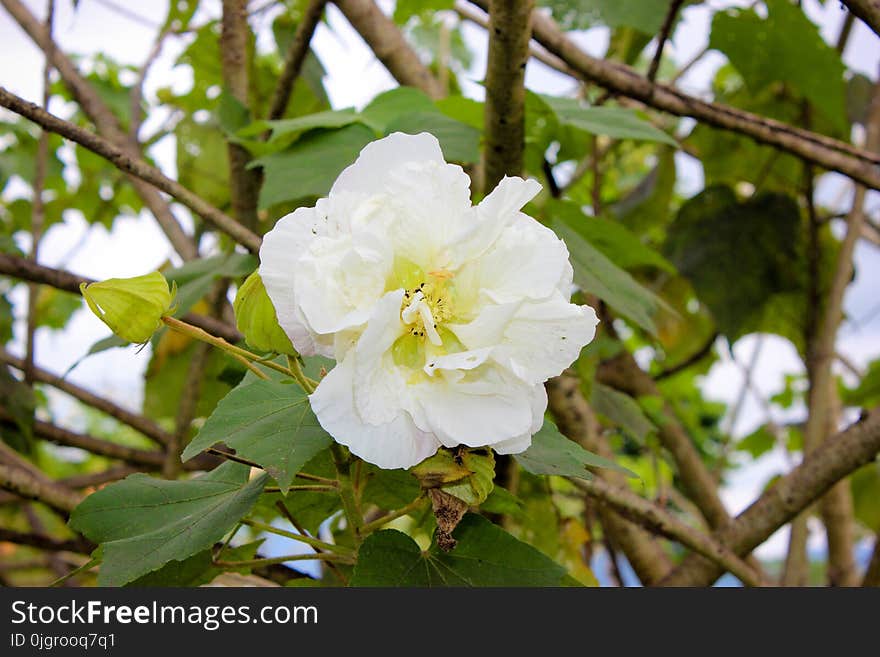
131, 307
465, 473
255, 317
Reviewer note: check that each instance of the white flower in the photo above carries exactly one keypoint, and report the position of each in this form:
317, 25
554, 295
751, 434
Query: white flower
444, 318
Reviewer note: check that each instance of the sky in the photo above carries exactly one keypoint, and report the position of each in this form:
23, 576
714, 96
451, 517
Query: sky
354, 77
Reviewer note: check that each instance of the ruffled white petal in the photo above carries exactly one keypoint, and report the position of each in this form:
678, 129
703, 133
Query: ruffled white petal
380, 388
484, 408
488, 219
522, 443
395, 444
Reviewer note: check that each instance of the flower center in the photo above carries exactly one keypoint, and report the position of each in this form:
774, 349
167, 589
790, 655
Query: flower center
424, 309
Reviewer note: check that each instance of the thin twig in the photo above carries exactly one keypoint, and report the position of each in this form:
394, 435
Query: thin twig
134, 165
663, 37
295, 57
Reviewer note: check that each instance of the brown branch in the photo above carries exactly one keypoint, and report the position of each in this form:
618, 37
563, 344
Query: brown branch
826, 152
152, 459
25, 270
38, 208
623, 373
43, 542
25, 484
693, 359
186, 410
244, 183
295, 57
131, 163
663, 37
140, 423
504, 114
107, 124
389, 45
136, 94
837, 507
575, 419
872, 574
659, 521
832, 461
867, 10
92, 479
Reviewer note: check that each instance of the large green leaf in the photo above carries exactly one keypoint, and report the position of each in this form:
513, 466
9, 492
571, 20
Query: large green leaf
644, 15
551, 453
459, 141
737, 255
485, 555
143, 522
598, 275
390, 105
622, 410
783, 47
310, 166
617, 122
268, 422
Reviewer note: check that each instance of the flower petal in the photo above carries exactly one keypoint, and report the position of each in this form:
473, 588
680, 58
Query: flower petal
282, 247
523, 442
491, 217
485, 408
395, 444
369, 172
380, 389
544, 338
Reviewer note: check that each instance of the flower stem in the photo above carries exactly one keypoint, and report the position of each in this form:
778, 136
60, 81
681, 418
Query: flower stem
394, 515
346, 492
296, 371
302, 538
318, 556
236, 352
316, 488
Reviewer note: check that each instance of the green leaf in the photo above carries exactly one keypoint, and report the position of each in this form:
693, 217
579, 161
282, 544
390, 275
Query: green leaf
757, 443
389, 489
55, 307
459, 141
19, 401
144, 523
867, 393
596, 274
292, 128
390, 105
551, 453
616, 122
310, 166
112, 341
622, 410
198, 569
485, 555
617, 242
866, 493
787, 48
644, 15
268, 422
737, 255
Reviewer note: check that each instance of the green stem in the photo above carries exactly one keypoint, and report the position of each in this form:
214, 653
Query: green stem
308, 540
297, 372
394, 515
237, 352
318, 556
353, 515
76, 571
317, 488
316, 478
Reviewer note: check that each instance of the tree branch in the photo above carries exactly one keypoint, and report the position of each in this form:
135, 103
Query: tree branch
867, 10
244, 183
663, 37
826, 152
504, 120
295, 57
387, 42
43, 542
832, 461
62, 280
575, 419
140, 423
152, 459
26, 484
658, 521
107, 124
131, 163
